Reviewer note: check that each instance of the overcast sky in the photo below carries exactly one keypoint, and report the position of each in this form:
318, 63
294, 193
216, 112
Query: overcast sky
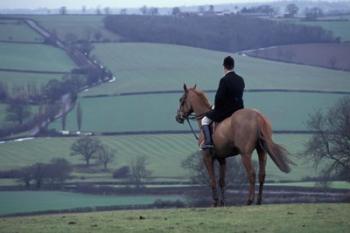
77, 4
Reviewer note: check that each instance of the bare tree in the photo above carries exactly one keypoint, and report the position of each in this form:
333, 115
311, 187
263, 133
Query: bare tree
291, 10
107, 10
64, 120
139, 170
63, 10
144, 10
86, 146
98, 11
17, 111
98, 35
105, 155
56, 172
331, 140
153, 11
86, 47
201, 9
38, 174
79, 116
176, 11
211, 9
199, 175
313, 13
4, 93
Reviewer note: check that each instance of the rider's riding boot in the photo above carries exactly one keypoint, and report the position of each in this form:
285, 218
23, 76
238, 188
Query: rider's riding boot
208, 144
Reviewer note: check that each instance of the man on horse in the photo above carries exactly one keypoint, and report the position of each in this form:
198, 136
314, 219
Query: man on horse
228, 99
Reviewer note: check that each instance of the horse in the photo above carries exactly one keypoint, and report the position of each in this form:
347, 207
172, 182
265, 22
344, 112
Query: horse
243, 132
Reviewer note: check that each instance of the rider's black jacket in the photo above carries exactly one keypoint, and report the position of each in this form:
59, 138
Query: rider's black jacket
228, 98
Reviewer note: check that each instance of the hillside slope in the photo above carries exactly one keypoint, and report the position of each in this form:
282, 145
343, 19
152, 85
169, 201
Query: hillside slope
308, 218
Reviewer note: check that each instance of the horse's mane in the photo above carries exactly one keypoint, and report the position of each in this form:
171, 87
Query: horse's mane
202, 96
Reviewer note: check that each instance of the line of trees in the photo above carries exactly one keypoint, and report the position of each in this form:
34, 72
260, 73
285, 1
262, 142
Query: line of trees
225, 33
56, 172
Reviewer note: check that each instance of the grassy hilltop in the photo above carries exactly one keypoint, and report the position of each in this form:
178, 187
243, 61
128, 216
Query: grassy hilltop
307, 218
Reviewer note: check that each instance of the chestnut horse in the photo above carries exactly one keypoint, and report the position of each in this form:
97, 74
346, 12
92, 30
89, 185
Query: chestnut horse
243, 132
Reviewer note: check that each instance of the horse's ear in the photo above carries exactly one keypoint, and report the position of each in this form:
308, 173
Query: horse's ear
185, 87
194, 87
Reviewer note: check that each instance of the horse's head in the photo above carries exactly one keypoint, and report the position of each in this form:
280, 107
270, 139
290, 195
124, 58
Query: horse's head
185, 105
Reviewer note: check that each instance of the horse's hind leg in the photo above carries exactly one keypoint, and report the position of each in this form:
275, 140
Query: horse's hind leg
262, 166
250, 171
222, 180
209, 163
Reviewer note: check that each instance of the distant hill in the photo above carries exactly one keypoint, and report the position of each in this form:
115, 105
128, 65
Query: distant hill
224, 33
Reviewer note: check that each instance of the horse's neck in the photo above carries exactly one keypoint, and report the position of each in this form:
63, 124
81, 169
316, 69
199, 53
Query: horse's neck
200, 108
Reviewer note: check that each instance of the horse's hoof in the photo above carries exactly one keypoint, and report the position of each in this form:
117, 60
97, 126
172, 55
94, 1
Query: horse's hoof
259, 202
215, 204
249, 202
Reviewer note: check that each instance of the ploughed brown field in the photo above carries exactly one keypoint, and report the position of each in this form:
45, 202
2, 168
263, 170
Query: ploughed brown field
328, 55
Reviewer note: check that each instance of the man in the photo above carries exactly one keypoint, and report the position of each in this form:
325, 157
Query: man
228, 99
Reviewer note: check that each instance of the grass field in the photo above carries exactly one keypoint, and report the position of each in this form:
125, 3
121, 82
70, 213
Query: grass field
34, 57
17, 202
79, 25
142, 67
14, 30
165, 153
300, 218
287, 111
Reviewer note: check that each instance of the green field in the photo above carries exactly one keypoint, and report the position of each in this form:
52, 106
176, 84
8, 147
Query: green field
149, 67
165, 153
287, 111
34, 57
80, 26
13, 79
14, 30
17, 202
297, 218
339, 28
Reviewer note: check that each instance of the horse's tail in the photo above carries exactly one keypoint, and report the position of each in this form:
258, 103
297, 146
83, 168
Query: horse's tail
277, 153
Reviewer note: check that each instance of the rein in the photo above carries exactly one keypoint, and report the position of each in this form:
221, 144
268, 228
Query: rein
194, 133
194, 117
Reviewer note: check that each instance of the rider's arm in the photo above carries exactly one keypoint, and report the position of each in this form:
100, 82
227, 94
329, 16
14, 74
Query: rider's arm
220, 93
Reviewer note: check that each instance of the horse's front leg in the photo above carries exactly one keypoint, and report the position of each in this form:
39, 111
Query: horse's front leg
209, 163
222, 180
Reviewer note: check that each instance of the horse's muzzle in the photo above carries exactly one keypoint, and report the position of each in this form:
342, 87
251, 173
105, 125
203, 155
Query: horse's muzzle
179, 119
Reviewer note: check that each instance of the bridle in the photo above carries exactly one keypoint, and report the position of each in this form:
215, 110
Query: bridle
190, 115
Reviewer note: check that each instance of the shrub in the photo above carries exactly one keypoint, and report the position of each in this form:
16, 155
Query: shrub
122, 172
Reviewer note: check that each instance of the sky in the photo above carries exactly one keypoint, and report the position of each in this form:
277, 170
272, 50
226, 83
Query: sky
77, 4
